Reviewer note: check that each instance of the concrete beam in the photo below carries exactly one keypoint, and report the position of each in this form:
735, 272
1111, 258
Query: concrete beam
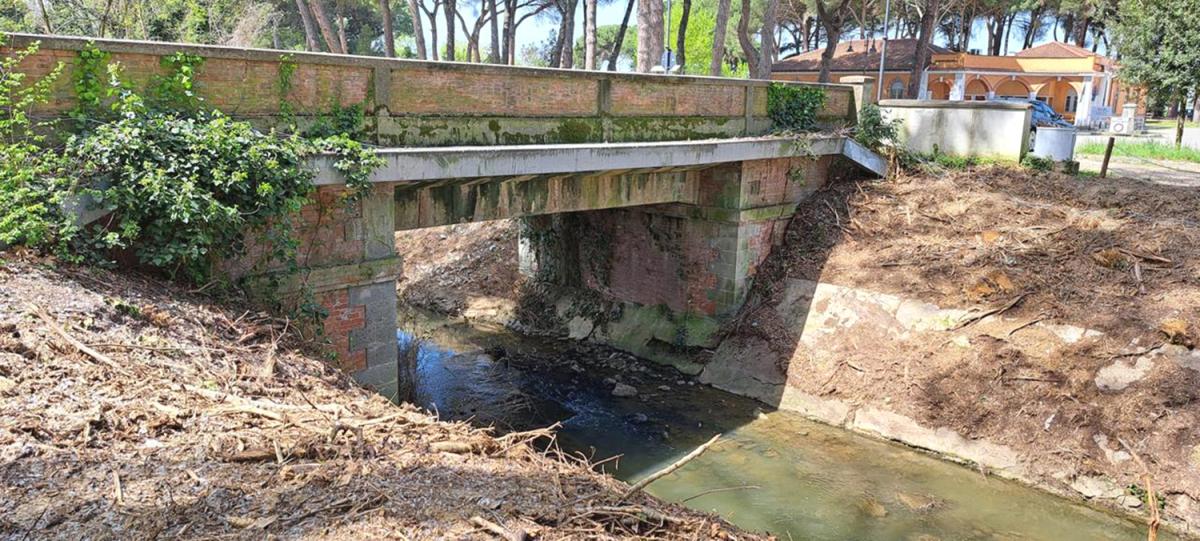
425, 164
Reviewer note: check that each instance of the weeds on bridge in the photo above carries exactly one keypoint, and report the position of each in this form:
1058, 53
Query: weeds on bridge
179, 183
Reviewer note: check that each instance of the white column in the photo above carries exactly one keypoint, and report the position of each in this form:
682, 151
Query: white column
1033, 94
959, 90
923, 91
1083, 109
991, 95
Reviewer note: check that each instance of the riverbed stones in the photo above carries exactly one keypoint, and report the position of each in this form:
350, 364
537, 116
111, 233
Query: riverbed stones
622, 390
579, 328
1096, 487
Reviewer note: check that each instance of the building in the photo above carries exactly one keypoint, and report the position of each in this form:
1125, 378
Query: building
1077, 83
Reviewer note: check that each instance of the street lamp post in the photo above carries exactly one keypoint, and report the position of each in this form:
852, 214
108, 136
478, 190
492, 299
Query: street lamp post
887, 7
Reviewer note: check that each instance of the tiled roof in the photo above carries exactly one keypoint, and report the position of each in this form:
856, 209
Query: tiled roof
856, 56
1056, 49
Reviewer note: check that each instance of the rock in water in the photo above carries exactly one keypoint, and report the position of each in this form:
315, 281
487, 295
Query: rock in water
624, 391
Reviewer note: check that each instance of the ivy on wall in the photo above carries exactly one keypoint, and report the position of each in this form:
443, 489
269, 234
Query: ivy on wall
794, 107
181, 182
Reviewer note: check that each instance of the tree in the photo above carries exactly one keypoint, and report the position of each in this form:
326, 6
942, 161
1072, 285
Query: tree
418, 31
451, 10
759, 59
718, 47
331, 40
1157, 44
681, 37
922, 51
310, 33
832, 20
620, 40
589, 34
650, 34
389, 33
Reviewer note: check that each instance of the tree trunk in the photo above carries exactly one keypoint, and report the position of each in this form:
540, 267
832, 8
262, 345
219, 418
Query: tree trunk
1196, 107
718, 50
1179, 120
510, 8
650, 34
451, 10
589, 34
921, 54
832, 22
1080, 30
434, 51
389, 36
617, 43
567, 60
418, 31
1035, 22
681, 39
494, 53
310, 33
556, 52
318, 13
341, 28
767, 55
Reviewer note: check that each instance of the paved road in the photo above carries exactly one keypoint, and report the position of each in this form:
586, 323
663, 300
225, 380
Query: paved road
1160, 172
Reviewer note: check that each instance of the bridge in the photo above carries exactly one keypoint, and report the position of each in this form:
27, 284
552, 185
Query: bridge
662, 192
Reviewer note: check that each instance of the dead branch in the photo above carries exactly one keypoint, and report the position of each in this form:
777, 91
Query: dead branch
667, 470
498, 530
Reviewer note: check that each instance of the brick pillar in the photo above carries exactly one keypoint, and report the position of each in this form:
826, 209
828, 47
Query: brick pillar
348, 264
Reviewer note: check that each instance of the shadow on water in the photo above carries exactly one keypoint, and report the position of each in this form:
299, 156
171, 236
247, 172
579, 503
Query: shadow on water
771, 471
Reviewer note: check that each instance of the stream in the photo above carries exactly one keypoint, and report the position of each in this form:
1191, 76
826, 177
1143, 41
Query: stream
771, 471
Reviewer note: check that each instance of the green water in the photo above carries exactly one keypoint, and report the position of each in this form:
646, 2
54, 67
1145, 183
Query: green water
772, 471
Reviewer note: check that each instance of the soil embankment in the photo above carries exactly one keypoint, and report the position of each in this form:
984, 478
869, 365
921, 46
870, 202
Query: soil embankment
133, 409
1036, 325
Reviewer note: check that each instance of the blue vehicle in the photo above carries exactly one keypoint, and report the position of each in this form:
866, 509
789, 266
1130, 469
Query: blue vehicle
1043, 114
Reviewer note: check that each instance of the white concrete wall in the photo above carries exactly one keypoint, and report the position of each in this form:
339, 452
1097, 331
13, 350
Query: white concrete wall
986, 129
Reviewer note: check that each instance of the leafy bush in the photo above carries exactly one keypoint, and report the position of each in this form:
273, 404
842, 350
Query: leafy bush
794, 107
29, 176
1037, 163
873, 131
182, 187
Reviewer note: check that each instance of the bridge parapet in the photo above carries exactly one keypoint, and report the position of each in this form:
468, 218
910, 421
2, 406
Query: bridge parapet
421, 103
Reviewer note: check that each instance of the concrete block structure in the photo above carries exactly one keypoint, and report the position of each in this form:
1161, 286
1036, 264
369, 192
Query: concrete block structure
992, 129
675, 180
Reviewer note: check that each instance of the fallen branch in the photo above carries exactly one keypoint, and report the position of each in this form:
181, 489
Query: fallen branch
1151, 498
80, 346
498, 530
667, 470
972, 318
717, 490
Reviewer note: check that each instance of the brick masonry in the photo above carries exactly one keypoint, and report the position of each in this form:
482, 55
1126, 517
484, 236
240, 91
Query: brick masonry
428, 103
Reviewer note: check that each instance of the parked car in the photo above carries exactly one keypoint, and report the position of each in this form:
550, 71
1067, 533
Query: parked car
1043, 114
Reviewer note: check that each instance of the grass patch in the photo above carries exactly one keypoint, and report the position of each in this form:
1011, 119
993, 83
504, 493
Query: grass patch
1169, 123
1144, 149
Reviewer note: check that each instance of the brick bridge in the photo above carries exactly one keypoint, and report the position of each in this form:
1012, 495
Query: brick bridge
663, 193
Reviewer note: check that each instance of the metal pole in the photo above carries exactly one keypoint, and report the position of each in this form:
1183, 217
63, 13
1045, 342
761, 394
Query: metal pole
667, 39
887, 8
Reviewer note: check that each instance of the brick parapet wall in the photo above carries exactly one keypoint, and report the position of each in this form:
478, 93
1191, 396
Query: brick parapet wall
415, 102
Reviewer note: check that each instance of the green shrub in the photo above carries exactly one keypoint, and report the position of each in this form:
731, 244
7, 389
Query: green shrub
794, 107
182, 186
1037, 163
873, 131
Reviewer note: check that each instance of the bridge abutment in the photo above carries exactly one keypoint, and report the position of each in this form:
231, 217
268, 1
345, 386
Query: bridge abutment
346, 269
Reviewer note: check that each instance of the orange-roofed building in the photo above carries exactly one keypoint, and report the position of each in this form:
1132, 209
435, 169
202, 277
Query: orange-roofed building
1077, 83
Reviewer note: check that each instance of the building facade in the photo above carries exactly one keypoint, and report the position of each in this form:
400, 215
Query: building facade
1079, 84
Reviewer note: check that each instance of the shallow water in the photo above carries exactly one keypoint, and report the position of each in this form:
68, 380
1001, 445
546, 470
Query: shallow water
771, 471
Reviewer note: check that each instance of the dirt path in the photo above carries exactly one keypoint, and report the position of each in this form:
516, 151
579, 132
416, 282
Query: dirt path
134, 410
1170, 173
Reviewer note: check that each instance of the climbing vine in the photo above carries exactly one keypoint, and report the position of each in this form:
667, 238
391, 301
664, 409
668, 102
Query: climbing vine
181, 183
794, 107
